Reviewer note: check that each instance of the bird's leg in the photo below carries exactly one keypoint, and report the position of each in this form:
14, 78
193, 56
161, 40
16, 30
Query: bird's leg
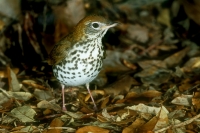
87, 86
63, 98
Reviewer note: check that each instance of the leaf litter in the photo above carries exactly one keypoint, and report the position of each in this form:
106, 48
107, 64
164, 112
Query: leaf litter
149, 81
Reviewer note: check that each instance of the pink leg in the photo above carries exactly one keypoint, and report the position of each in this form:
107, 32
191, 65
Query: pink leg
63, 98
87, 86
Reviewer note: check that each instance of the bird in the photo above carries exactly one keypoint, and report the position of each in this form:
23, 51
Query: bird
78, 57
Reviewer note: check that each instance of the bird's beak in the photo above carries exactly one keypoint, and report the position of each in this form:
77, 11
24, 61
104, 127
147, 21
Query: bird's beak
108, 26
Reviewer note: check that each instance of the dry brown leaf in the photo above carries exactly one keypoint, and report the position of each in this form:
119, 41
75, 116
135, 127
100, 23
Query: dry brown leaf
12, 80
164, 17
96, 92
108, 116
101, 118
125, 123
43, 94
185, 85
93, 129
129, 64
190, 8
7, 104
2, 24
143, 92
24, 129
162, 119
24, 113
149, 63
47, 105
47, 112
85, 107
185, 100
150, 94
131, 113
134, 126
4, 74
154, 75
105, 102
166, 47
176, 114
176, 58
55, 123
147, 109
196, 100
116, 98
192, 65
149, 126
121, 86
131, 95
34, 84
7, 95
18, 128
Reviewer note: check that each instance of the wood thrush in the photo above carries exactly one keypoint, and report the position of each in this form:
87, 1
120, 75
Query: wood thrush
77, 58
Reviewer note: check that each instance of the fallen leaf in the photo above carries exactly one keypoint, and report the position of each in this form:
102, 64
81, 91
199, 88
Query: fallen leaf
24, 96
147, 109
154, 75
93, 129
24, 113
164, 17
121, 86
34, 84
12, 80
193, 65
185, 100
29, 129
134, 126
176, 58
43, 94
47, 105
55, 123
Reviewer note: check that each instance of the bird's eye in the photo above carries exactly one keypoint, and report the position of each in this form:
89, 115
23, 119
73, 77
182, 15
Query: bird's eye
95, 25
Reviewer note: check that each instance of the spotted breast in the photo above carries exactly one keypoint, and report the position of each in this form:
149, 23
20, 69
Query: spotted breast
77, 58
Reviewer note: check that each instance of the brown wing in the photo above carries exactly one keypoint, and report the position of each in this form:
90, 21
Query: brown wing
59, 52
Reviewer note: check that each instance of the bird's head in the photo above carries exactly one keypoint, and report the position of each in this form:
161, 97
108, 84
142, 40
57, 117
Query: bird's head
92, 27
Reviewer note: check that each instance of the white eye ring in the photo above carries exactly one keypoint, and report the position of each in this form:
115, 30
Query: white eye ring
95, 25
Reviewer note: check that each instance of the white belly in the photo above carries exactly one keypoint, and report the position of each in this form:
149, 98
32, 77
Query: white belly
80, 68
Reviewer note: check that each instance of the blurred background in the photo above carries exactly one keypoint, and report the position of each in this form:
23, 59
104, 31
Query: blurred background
30, 28
148, 29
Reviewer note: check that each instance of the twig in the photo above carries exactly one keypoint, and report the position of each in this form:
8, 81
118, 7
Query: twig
179, 124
